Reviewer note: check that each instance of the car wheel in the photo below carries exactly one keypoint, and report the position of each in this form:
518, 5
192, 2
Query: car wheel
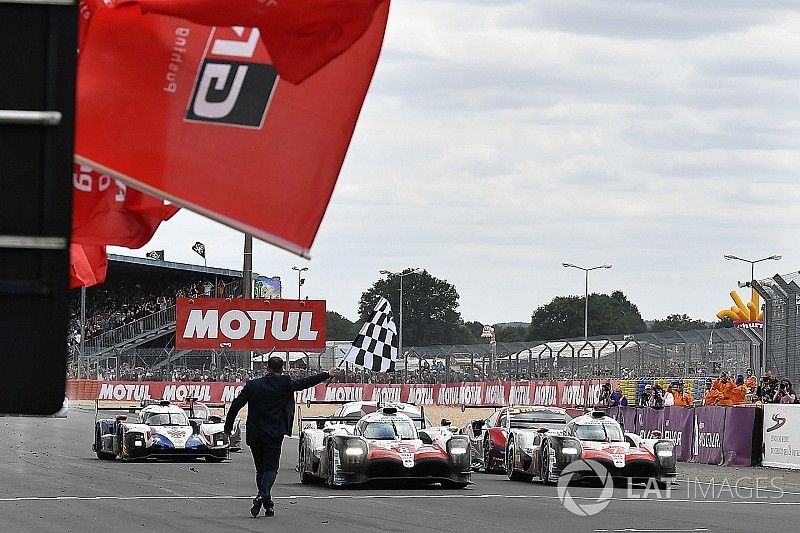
487, 455
305, 477
544, 470
105, 456
329, 478
511, 472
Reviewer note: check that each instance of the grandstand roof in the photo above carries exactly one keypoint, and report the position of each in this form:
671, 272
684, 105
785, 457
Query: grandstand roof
134, 263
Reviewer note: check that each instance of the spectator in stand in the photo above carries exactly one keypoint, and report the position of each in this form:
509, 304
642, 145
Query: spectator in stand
750, 381
738, 394
618, 399
785, 393
669, 395
657, 401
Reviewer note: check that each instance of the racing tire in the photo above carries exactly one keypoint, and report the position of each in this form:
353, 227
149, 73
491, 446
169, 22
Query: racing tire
544, 465
305, 477
329, 477
103, 456
487, 454
454, 485
213, 459
511, 472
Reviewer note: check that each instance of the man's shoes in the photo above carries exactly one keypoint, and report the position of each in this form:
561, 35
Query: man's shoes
269, 511
254, 510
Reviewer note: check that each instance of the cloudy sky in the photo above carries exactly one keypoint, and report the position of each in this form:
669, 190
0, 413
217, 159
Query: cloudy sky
503, 137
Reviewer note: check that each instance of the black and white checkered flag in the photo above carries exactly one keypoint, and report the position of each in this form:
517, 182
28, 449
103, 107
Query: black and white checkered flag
375, 347
200, 249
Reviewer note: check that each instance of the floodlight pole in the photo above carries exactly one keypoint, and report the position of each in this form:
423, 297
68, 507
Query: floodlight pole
585, 296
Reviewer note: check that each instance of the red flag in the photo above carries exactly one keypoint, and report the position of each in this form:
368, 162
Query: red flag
106, 211
87, 265
301, 36
198, 115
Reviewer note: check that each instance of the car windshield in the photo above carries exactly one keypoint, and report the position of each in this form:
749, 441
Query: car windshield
603, 432
390, 430
167, 419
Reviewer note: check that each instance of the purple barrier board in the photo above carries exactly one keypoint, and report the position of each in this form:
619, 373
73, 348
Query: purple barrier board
679, 426
737, 437
651, 420
709, 427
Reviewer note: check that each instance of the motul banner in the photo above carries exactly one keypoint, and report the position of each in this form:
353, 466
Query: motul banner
238, 324
452, 394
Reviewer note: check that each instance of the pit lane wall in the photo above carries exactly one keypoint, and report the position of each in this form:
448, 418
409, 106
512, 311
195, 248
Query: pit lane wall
555, 393
715, 435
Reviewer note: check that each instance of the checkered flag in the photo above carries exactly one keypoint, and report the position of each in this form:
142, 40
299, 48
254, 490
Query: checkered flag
375, 347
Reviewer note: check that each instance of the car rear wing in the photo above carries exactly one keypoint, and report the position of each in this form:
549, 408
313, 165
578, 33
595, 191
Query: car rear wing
129, 409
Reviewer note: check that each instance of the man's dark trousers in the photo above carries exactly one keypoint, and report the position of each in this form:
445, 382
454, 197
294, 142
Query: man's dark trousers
266, 457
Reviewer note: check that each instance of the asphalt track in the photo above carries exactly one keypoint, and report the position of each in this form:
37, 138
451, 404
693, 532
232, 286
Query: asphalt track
50, 480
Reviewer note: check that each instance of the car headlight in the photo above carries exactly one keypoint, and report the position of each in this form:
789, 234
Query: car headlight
458, 450
569, 450
664, 453
353, 451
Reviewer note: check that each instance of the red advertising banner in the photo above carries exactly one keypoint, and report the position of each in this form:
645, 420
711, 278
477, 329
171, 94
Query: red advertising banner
451, 394
238, 324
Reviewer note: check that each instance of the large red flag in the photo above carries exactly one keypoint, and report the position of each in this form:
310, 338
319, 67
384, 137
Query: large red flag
87, 265
200, 116
106, 211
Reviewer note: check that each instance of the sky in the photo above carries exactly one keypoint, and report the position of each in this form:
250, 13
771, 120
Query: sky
501, 138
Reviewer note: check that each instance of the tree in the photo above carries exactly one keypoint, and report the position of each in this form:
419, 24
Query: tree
510, 334
340, 328
563, 317
677, 322
430, 308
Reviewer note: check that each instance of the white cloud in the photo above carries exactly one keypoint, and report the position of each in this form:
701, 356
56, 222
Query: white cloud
502, 138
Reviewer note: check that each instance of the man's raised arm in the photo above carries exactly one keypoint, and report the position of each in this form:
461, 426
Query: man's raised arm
310, 381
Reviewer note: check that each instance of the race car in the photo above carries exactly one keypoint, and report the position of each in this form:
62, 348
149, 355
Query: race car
160, 430
200, 413
546, 452
382, 445
488, 436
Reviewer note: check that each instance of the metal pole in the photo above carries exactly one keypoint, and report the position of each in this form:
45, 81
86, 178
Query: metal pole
400, 333
298, 283
586, 309
83, 332
247, 269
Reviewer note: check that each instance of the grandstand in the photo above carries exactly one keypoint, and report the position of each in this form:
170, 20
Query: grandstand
130, 319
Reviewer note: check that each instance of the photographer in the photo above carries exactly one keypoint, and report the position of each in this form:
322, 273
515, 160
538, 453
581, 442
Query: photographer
766, 390
785, 393
604, 399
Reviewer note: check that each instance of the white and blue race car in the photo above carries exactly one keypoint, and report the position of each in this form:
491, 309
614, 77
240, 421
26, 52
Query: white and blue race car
160, 430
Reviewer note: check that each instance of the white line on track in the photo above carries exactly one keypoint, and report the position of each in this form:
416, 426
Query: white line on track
387, 497
652, 530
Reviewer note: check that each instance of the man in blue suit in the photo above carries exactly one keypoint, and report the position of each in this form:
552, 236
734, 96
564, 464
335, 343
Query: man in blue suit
270, 414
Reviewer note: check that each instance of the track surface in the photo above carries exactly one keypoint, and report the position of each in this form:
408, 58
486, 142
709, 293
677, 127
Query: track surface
50, 480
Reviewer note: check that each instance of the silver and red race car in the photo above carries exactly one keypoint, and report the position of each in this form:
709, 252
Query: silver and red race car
546, 452
382, 445
159, 430
488, 436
